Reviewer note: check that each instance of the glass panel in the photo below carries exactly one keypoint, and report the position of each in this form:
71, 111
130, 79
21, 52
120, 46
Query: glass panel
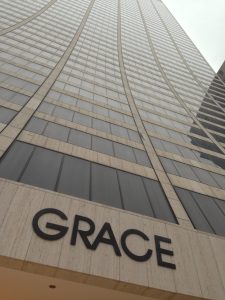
133, 194
6, 115
14, 160
158, 201
119, 131
82, 119
46, 108
105, 187
63, 113
36, 125
205, 177
124, 152
142, 157
169, 166
102, 145
79, 138
43, 168
213, 214
56, 131
101, 125
197, 217
134, 136
75, 177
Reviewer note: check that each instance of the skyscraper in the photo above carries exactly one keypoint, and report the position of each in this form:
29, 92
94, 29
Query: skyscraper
112, 154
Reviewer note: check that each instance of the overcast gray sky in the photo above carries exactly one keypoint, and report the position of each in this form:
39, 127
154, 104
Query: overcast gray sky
204, 22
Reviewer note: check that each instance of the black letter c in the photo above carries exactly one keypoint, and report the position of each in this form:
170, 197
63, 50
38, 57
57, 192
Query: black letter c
133, 256
50, 237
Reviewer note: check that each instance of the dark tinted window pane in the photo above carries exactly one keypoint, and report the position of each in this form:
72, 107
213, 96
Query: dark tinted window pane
194, 212
119, 131
115, 115
128, 119
56, 131
169, 147
133, 193
20, 99
54, 95
213, 214
187, 153
82, 119
169, 166
13, 96
46, 108
68, 99
124, 152
105, 187
158, 201
102, 145
30, 87
221, 204
157, 144
101, 125
36, 125
220, 179
6, 115
75, 177
14, 160
79, 138
101, 110
63, 113
205, 177
134, 136
84, 105
185, 171
6, 94
141, 157
42, 169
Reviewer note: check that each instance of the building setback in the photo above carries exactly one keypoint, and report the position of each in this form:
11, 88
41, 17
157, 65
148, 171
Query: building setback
112, 168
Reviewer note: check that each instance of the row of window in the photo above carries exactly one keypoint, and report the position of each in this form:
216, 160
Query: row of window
188, 153
63, 97
193, 173
18, 11
21, 72
13, 97
173, 134
18, 83
26, 62
27, 54
93, 88
88, 141
70, 175
92, 107
88, 121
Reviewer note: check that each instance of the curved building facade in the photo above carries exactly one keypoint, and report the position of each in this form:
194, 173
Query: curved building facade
112, 146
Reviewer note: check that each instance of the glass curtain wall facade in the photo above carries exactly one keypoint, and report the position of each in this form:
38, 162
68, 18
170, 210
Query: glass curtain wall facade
110, 101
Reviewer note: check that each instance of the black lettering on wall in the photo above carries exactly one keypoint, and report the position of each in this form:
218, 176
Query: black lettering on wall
62, 230
106, 228
133, 256
83, 233
160, 251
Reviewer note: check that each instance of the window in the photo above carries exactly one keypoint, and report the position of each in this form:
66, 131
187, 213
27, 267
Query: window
6, 115
206, 213
105, 187
42, 169
75, 177
81, 178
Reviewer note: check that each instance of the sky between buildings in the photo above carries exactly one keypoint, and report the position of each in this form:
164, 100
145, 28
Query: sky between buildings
204, 22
